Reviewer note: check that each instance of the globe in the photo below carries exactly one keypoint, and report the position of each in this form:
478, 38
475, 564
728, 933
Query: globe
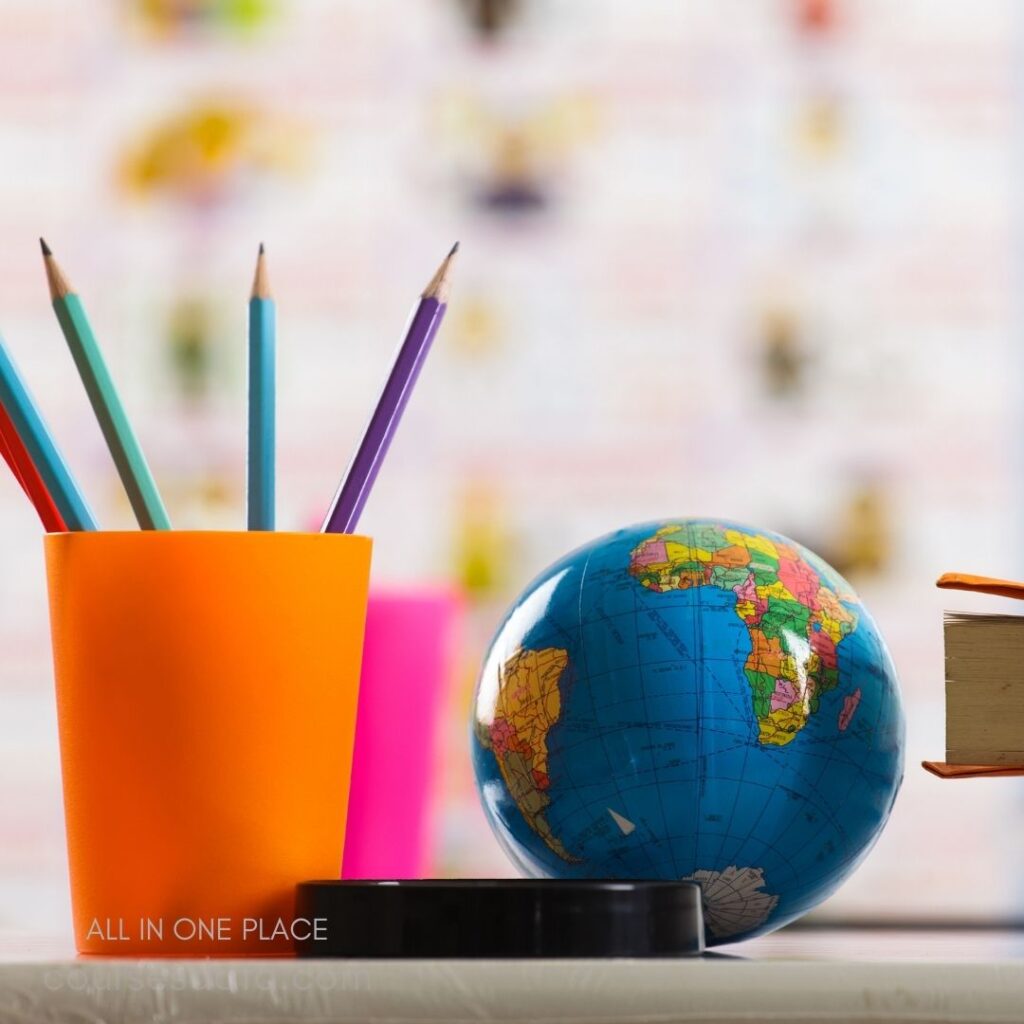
693, 699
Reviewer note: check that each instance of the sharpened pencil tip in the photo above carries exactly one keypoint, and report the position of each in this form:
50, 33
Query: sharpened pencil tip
260, 282
438, 286
55, 279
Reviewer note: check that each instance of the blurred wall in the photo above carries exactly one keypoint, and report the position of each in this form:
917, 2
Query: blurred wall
750, 259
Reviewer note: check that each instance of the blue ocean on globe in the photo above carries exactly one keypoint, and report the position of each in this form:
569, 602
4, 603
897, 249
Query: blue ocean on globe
691, 699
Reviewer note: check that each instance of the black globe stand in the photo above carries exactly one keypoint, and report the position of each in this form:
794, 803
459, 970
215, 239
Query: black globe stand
497, 919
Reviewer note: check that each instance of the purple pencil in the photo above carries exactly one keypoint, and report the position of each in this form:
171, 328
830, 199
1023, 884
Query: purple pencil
362, 471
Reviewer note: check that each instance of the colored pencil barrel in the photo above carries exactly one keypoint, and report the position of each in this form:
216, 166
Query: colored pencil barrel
363, 470
30, 427
262, 355
6, 429
25, 472
117, 430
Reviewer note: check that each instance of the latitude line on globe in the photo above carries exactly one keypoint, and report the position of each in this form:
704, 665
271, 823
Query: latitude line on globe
825, 811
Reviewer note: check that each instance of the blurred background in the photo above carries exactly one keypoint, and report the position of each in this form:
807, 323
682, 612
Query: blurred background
758, 259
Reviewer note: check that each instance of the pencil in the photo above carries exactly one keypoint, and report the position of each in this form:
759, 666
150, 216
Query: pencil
362, 471
117, 430
262, 345
43, 453
5, 450
24, 470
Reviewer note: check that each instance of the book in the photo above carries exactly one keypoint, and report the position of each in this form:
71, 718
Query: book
984, 689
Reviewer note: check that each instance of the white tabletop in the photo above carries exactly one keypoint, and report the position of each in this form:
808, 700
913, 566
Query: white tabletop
806, 975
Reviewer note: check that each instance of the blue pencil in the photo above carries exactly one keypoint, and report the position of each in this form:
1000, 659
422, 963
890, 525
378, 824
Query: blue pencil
262, 344
36, 437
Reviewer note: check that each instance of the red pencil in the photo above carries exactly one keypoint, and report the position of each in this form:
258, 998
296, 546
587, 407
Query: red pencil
25, 472
5, 451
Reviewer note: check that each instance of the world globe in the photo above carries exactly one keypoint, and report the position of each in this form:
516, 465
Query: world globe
697, 700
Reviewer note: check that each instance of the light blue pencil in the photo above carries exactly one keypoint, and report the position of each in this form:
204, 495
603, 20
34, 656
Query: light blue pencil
262, 345
41, 447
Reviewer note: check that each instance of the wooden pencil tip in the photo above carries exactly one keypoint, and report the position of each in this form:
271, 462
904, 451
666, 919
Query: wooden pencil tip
55, 279
260, 282
439, 284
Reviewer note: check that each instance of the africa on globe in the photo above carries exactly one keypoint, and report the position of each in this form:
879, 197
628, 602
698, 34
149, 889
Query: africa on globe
691, 699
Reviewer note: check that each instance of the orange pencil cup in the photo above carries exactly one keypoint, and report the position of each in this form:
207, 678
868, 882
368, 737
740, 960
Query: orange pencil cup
207, 686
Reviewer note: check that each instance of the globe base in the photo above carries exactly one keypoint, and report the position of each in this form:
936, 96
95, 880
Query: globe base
499, 919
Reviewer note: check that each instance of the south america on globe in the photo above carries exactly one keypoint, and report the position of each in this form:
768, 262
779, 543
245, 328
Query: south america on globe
691, 699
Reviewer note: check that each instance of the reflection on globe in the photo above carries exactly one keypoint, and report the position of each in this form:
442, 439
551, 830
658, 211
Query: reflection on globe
691, 699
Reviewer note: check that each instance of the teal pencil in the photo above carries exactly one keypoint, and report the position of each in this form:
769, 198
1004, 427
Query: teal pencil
40, 446
262, 345
117, 430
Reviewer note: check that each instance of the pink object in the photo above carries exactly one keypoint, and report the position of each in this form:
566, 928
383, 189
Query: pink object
784, 695
652, 551
407, 663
